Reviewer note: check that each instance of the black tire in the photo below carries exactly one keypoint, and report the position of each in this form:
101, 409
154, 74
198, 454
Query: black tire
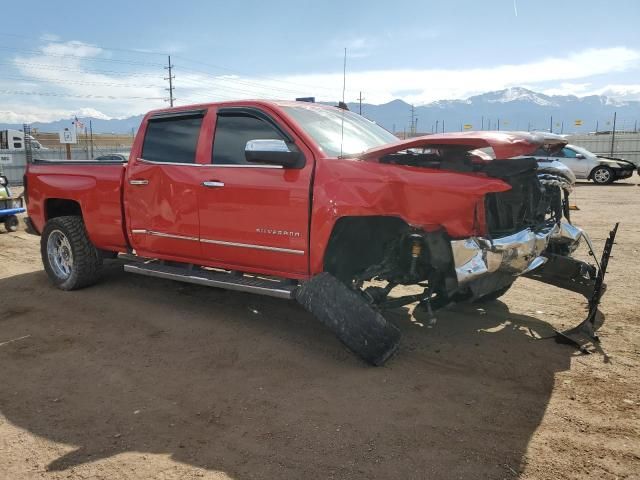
602, 175
493, 296
86, 261
355, 322
11, 223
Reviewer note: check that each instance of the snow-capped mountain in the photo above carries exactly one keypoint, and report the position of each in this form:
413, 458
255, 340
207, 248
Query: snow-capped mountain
515, 108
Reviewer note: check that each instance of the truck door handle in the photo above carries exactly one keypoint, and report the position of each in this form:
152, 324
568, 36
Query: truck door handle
213, 184
138, 182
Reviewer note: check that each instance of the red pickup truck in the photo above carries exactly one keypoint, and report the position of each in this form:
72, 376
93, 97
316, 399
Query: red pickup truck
312, 202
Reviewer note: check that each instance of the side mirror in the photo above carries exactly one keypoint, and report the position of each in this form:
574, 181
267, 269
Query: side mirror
273, 152
580, 156
4, 181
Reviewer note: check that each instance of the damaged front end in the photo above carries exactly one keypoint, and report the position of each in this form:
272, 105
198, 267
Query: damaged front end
530, 234
521, 227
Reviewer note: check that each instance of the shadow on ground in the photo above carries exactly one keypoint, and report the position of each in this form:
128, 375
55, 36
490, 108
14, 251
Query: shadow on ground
256, 388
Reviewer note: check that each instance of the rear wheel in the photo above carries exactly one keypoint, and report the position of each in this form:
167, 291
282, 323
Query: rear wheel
11, 223
602, 175
69, 257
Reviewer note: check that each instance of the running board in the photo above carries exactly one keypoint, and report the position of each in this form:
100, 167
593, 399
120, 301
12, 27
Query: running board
229, 281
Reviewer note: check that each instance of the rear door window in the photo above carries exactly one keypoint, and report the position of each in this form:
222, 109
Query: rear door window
172, 139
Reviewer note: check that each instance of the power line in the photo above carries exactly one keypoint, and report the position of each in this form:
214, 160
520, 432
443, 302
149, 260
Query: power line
48, 66
63, 42
79, 82
248, 83
220, 67
55, 94
216, 85
81, 57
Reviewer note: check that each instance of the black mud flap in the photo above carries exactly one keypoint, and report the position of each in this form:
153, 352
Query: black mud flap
354, 321
579, 277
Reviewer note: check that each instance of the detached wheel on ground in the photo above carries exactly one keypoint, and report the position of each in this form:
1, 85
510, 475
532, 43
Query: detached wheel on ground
355, 322
602, 175
11, 223
69, 257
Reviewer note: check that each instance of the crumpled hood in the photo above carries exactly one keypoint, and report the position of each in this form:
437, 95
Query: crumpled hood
504, 144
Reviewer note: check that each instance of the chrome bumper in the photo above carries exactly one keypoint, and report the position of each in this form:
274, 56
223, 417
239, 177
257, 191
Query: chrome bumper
515, 254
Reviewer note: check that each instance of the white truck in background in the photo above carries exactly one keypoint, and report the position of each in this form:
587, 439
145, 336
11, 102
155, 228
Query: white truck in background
14, 140
12, 148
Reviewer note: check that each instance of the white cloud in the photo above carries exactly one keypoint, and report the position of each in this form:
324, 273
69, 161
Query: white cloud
566, 88
78, 49
434, 84
73, 71
18, 113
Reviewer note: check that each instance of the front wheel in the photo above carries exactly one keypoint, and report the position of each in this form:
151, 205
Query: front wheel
69, 257
602, 175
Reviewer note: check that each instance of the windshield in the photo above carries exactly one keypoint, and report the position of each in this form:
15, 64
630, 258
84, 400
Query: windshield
325, 126
581, 150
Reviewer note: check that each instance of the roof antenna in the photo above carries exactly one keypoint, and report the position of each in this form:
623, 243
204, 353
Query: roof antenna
344, 86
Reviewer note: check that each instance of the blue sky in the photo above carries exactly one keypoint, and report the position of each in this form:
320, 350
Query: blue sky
61, 59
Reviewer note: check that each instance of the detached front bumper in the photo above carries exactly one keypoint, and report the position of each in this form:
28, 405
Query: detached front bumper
512, 255
486, 265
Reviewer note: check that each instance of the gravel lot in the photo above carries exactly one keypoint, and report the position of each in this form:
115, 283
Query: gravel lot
144, 378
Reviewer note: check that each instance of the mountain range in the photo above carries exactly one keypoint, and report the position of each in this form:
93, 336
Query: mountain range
514, 108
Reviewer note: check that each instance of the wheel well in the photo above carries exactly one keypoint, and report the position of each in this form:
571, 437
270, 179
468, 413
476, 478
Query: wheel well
358, 242
60, 207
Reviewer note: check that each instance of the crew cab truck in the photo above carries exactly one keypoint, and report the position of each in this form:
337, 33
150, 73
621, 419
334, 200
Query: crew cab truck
313, 203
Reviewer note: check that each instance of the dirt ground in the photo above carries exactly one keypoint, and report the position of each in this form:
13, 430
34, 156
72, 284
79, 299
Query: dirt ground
144, 378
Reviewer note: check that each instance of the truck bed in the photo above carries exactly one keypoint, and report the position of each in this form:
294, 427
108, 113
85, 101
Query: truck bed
93, 187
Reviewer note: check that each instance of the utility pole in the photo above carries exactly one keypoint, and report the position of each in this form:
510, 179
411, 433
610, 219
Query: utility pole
613, 136
442, 126
91, 134
437, 122
551, 125
412, 129
170, 78
482, 123
498, 124
562, 127
360, 102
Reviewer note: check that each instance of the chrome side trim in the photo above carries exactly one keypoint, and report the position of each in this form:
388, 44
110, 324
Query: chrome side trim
164, 235
151, 162
252, 245
219, 165
217, 242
